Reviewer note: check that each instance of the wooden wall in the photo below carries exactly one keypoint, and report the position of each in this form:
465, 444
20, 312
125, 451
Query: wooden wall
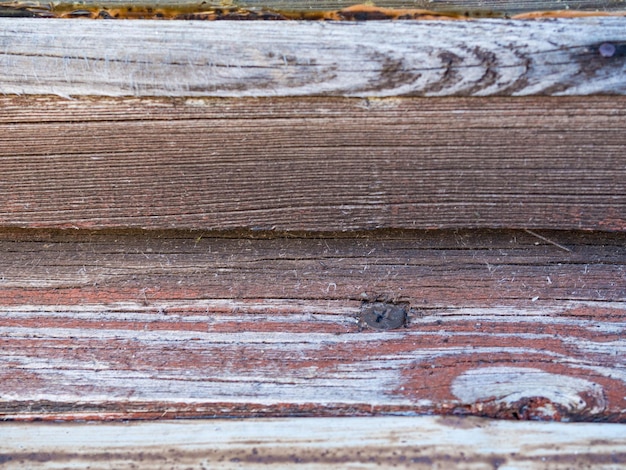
353, 223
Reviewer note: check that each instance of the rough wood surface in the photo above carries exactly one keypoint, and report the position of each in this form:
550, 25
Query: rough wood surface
117, 325
397, 442
299, 9
317, 164
460, 58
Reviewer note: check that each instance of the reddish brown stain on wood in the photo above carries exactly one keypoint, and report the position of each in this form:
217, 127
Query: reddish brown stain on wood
141, 324
313, 164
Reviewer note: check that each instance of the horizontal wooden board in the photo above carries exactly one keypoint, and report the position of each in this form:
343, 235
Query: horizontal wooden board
318, 164
117, 325
397, 442
290, 9
236, 59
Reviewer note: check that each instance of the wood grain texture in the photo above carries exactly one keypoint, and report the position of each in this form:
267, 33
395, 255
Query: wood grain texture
118, 325
236, 59
397, 442
280, 9
319, 164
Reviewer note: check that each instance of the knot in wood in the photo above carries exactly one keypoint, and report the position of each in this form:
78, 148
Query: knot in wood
382, 315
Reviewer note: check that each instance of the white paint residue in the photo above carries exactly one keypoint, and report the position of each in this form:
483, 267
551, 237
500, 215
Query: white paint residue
209, 306
94, 381
509, 385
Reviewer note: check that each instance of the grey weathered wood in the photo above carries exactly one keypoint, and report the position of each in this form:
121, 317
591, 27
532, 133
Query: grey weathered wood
394, 442
461, 58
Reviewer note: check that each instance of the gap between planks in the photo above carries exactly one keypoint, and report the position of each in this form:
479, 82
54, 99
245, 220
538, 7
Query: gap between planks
313, 164
311, 10
130, 324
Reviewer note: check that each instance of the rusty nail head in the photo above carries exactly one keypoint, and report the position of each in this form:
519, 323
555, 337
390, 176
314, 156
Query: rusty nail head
607, 49
382, 315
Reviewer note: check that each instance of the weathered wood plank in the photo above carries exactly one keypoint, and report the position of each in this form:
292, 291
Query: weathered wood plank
424, 442
298, 9
107, 325
318, 164
460, 58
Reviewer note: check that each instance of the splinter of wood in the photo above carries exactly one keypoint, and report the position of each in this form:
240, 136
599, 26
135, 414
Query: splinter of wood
552, 242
